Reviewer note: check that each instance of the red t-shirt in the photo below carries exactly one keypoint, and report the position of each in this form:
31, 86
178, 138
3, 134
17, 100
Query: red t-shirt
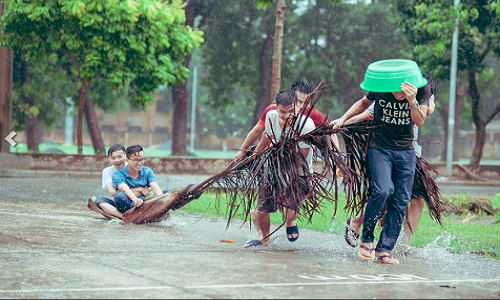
317, 117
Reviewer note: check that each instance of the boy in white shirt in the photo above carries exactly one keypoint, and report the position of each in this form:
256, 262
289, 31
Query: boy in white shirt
275, 122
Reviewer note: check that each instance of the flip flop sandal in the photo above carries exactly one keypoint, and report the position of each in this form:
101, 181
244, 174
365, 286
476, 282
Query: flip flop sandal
370, 250
386, 260
292, 230
350, 235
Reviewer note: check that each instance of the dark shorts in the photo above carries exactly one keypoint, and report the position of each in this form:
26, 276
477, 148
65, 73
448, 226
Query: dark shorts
269, 204
415, 193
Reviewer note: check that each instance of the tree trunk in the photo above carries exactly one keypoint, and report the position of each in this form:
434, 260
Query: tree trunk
32, 128
31, 120
265, 71
179, 92
278, 48
6, 71
477, 153
179, 120
480, 121
94, 128
81, 110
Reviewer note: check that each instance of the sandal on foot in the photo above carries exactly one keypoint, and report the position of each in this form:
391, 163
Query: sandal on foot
387, 260
350, 235
370, 250
290, 231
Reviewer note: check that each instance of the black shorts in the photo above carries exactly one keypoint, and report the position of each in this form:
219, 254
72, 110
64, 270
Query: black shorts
269, 203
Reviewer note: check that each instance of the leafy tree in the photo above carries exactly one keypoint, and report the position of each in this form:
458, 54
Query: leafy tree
137, 43
243, 35
430, 25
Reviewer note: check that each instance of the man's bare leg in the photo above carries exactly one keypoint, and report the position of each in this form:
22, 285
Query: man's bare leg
356, 223
110, 209
262, 223
413, 216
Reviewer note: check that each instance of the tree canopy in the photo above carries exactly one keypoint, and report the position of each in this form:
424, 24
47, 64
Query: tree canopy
141, 44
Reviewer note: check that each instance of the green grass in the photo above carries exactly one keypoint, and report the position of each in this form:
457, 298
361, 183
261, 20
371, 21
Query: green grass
479, 235
89, 150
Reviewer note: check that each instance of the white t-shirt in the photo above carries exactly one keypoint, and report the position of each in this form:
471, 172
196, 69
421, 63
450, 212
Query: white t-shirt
272, 125
107, 175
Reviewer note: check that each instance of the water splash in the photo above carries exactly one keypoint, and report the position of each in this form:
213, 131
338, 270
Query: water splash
438, 248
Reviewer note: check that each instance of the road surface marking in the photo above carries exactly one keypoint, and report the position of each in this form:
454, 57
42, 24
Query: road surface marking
256, 285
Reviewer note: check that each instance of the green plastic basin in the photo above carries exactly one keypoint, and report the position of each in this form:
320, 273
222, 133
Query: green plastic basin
386, 76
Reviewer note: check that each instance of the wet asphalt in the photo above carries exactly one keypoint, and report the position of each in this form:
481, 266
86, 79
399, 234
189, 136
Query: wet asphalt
52, 246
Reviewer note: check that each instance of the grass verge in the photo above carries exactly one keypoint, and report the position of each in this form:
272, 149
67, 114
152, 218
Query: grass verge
463, 231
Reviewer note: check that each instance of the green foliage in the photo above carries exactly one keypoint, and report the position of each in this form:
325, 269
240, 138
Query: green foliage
263, 4
496, 205
430, 25
496, 201
137, 43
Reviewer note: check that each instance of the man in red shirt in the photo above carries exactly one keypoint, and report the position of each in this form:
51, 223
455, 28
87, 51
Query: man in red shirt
302, 90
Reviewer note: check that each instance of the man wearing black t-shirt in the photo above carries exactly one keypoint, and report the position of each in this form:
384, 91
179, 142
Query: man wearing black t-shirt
391, 157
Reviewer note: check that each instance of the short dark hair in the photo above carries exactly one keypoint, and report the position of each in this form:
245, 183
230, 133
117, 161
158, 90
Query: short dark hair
114, 148
432, 84
131, 150
301, 87
285, 98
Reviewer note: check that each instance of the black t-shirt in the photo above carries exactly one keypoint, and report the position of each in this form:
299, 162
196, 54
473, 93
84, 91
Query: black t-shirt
394, 118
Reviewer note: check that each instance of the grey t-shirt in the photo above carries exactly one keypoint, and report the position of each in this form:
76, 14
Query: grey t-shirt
107, 175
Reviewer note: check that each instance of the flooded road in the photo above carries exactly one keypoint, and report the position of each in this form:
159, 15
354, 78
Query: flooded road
52, 246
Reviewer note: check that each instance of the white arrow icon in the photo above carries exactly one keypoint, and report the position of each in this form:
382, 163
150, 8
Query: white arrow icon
10, 138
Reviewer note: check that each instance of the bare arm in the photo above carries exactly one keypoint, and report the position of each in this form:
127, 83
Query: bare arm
252, 136
111, 189
359, 118
419, 114
125, 189
264, 143
137, 191
355, 109
156, 188
431, 107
